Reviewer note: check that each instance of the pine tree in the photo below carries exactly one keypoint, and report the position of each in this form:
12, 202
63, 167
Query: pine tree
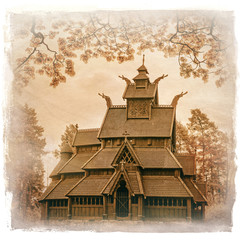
203, 138
24, 166
66, 138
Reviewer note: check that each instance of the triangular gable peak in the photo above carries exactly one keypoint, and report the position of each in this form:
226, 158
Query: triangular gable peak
126, 156
114, 182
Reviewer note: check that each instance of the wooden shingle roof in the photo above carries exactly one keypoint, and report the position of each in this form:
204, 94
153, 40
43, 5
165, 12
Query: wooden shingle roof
60, 189
132, 92
157, 158
86, 137
202, 187
115, 123
50, 188
188, 163
74, 164
198, 196
102, 159
133, 180
164, 186
59, 165
91, 185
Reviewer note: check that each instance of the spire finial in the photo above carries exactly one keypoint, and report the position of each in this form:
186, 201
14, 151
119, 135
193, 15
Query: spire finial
143, 58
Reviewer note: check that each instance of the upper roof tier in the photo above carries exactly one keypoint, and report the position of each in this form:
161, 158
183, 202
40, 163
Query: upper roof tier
132, 92
159, 125
86, 137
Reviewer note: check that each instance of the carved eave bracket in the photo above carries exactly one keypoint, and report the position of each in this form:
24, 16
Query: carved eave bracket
176, 98
128, 81
107, 99
156, 81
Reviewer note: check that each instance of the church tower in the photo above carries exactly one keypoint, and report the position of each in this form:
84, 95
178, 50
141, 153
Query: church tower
141, 95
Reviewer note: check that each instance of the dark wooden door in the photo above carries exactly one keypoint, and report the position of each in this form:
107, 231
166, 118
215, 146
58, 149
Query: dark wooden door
122, 202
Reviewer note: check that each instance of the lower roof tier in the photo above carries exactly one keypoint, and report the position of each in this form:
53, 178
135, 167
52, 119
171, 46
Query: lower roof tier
148, 186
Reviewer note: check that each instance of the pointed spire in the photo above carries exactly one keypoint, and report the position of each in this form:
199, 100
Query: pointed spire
143, 69
142, 72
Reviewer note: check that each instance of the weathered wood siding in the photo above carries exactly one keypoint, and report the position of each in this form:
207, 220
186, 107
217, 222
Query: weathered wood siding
94, 211
57, 212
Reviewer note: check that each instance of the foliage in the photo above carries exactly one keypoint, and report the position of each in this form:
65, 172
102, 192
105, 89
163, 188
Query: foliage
202, 137
66, 138
201, 41
24, 166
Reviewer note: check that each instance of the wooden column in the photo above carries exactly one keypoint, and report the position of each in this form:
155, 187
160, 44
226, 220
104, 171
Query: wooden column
43, 207
189, 209
69, 208
130, 207
46, 210
114, 204
104, 207
140, 207
203, 210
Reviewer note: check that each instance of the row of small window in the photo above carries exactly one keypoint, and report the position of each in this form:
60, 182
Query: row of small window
58, 203
134, 199
155, 201
87, 200
87, 149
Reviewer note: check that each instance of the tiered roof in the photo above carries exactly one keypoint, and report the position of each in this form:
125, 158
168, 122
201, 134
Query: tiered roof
165, 186
86, 137
160, 124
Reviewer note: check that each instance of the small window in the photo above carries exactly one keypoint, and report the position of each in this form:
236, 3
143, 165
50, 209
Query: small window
94, 148
160, 202
89, 201
85, 201
110, 199
151, 202
101, 201
118, 142
174, 202
184, 202
179, 202
165, 202
170, 202
134, 200
155, 202
81, 201
97, 201
93, 200
149, 141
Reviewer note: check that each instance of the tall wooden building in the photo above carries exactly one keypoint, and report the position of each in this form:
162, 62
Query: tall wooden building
129, 168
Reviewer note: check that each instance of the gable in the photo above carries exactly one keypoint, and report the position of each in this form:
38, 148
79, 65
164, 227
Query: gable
126, 155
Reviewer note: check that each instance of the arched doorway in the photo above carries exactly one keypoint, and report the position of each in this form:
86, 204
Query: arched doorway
122, 200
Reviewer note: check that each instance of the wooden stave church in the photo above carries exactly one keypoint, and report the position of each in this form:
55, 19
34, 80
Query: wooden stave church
129, 168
